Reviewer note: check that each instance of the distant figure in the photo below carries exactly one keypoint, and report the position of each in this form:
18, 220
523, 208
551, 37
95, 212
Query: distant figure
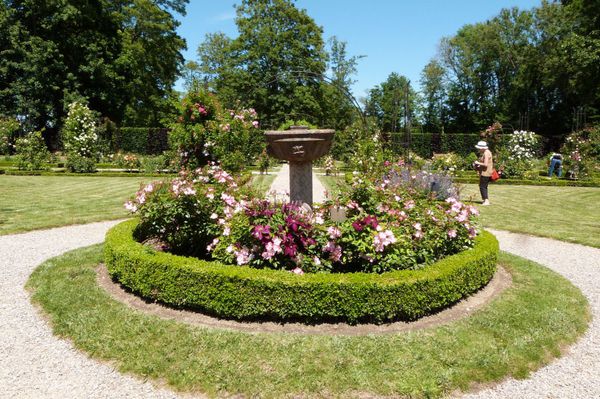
484, 167
556, 161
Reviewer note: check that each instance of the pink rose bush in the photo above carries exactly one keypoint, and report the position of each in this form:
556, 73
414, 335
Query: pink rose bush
387, 226
187, 213
205, 132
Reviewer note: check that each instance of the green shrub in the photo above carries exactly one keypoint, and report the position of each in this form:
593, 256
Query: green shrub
80, 164
8, 130
246, 294
31, 151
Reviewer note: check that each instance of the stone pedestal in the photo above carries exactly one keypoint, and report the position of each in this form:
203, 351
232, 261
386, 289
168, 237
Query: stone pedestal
299, 146
301, 189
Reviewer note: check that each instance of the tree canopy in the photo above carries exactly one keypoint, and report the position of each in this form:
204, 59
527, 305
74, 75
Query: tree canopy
275, 65
121, 56
529, 69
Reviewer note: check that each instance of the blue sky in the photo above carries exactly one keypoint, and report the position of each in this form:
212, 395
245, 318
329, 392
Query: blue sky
395, 36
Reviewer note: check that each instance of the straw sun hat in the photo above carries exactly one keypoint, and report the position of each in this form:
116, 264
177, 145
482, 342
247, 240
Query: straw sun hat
482, 145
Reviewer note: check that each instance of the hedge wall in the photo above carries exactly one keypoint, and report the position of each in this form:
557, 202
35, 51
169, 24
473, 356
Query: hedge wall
244, 293
425, 144
141, 140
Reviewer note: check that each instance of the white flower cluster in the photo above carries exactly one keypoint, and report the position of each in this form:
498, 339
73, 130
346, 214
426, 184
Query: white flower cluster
522, 145
79, 133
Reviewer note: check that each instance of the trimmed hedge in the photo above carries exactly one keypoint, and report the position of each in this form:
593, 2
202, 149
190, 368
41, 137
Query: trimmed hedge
426, 144
245, 293
141, 140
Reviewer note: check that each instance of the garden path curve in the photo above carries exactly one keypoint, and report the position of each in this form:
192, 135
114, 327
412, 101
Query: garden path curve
36, 364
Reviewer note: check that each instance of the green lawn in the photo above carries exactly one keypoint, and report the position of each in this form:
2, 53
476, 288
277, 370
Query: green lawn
36, 202
564, 213
520, 331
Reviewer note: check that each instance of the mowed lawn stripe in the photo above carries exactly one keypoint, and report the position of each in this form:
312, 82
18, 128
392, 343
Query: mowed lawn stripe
35, 202
564, 213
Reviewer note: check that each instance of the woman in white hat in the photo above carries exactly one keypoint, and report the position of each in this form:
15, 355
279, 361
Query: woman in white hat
484, 167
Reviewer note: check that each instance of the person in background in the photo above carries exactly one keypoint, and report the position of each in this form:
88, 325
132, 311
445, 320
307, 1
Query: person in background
484, 167
556, 161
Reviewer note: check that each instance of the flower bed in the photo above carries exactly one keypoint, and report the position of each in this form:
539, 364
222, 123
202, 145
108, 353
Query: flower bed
245, 293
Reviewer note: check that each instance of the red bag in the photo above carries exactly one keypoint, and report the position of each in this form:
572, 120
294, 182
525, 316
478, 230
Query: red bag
495, 175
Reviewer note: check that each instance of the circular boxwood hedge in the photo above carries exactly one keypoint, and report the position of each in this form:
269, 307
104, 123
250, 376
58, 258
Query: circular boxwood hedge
245, 293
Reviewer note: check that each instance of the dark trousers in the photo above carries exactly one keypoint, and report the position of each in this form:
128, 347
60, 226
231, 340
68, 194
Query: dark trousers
483, 186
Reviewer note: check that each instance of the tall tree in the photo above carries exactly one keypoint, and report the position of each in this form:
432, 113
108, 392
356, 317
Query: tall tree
391, 102
434, 96
151, 58
275, 65
337, 93
119, 55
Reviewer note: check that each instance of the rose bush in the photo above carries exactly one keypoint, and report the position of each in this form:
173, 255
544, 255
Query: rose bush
582, 152
387, 223
31, 152
204, 132
80, 139
519, 152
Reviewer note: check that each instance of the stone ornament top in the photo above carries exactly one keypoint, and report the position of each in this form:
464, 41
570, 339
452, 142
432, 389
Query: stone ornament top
299, 144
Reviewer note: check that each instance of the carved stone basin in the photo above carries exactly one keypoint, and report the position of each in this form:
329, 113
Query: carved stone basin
300, 146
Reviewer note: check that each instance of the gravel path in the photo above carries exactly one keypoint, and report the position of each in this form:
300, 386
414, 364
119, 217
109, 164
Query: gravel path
577, 374
36, 364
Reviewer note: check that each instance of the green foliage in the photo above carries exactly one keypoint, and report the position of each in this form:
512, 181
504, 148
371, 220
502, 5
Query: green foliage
8, 130
31, 152
299, 122
460, 143
345, 141
279, 295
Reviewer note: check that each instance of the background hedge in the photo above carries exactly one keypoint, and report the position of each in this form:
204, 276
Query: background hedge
426, 144
244, 293
141, 140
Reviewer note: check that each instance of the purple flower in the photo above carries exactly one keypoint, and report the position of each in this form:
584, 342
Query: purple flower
371, 221
358, 226
261, 232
